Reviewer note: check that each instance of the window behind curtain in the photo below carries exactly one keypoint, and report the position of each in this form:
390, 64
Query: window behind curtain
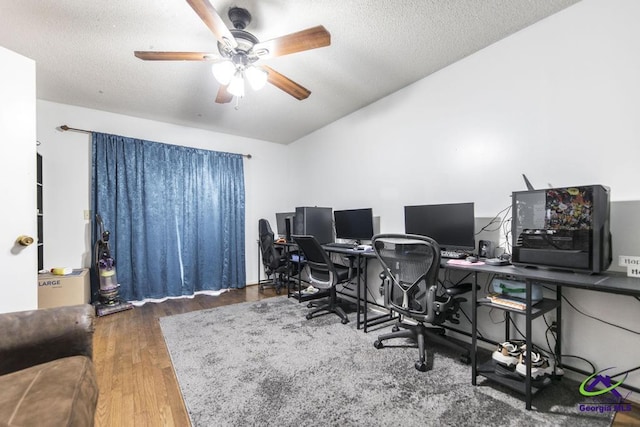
176, 216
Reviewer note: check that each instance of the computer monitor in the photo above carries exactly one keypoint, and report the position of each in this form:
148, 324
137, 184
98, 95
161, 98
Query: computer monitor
281, 225
451, 225
354, 224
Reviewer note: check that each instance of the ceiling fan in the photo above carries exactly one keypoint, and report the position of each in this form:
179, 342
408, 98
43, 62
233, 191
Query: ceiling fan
239, 51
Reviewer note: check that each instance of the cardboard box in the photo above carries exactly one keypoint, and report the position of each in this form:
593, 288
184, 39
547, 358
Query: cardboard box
70, 289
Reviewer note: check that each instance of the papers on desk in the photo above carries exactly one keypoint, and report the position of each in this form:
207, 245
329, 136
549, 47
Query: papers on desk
463, 262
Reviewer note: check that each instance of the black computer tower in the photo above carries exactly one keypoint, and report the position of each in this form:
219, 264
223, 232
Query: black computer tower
314, 221
564, 228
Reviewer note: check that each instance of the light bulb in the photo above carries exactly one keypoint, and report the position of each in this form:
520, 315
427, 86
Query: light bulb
236, 86
223, 71
257, 77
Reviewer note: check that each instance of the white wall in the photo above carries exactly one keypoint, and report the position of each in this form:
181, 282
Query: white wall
19, 264
558, 101
67, 175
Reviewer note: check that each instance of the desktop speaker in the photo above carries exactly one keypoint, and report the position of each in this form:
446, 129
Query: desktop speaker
288, 227
486, 249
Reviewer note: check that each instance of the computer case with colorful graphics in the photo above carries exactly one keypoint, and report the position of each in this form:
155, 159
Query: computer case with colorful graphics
564, 228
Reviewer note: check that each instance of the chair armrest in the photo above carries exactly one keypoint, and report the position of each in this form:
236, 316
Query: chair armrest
29, 338
460, 288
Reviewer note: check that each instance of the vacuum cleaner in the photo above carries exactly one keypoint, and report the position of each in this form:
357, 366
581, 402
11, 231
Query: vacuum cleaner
108, 287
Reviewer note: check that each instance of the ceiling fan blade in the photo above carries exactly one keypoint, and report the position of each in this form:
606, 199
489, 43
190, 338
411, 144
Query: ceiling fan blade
210, 17
223, 96
310, 38
286, 84
176, 56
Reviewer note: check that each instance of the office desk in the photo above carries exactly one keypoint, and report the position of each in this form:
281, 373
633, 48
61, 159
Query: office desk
285, 247
359, 257
289, 248
611, 282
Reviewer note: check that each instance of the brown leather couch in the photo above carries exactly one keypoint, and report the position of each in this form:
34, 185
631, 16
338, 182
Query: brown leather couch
46, 370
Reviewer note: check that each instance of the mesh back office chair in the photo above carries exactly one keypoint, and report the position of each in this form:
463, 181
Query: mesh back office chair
274, 261
411, 265
323, 274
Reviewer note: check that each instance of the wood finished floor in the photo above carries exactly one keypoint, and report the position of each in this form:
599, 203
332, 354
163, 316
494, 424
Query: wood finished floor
137, 384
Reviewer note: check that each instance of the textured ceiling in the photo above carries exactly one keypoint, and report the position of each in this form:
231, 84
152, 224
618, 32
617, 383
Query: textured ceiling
84, 55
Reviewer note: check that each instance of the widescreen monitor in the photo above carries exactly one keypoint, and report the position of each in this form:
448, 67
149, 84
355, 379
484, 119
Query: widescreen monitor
354, 224
451, 225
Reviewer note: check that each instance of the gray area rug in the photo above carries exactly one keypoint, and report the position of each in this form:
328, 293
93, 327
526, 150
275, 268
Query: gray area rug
263, 364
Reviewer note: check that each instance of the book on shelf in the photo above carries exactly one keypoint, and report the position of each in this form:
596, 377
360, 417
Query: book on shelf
508, 301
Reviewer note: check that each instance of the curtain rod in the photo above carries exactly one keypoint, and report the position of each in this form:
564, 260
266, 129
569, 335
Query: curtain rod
66, 128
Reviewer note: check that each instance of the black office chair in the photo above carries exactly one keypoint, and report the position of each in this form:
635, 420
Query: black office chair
411, 265
274, 260
323, 274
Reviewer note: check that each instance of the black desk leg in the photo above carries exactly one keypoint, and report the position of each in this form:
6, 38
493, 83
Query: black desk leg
366, 300
529, 285
507, 326
299, 281
474, 330
558, 328
359, 272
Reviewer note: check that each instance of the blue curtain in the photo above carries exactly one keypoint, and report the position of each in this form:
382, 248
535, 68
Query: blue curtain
176, 216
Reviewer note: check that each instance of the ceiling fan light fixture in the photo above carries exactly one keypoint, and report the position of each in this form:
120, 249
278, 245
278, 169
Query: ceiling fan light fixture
236, 86
257, 77
239, 50
223, 71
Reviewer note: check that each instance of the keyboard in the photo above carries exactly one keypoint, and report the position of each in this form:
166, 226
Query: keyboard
453, 254
341, 245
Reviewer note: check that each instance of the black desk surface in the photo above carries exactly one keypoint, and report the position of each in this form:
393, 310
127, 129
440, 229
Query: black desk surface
349, 251
335, 249
609, 281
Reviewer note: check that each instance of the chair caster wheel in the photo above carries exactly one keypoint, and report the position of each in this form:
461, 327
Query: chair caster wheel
421, 366
310, 305
378, 344
308, 316
465, 359
395, 328
345, 321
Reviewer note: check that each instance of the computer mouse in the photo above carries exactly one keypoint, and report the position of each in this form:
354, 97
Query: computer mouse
472, 259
